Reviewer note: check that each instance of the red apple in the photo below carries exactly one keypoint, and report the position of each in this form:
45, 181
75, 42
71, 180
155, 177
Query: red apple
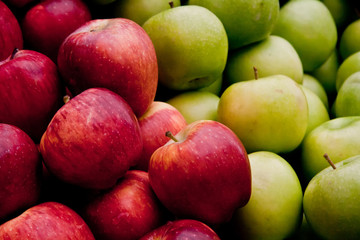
127, 211
154, 123
47, 24
46, 221
204, 173
10, 32
92, 140
182, 229
20, 170
113, 53
30, 91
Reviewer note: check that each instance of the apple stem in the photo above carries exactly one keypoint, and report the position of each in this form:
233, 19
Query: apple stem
326, 156
171, 3
170, 135
13, 53
256, 73
66, 99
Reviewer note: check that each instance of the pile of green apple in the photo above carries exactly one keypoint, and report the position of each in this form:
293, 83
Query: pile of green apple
194, 119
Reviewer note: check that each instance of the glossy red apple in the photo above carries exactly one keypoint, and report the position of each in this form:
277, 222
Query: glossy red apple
127, 211
113, 53
204, 173
20, 170
182, 229
154, 123
31, 91
10, 32
49, 22
46, 221
92, 140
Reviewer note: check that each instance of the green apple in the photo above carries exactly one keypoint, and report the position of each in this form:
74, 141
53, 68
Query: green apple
274, 210
269, 113
347, 101
338, 137
331, 200
310, 82
271, 56
342, 11
318, 113
349, 66
191, 46
349, 40
141, 10
196, 105
310, 28
245, 21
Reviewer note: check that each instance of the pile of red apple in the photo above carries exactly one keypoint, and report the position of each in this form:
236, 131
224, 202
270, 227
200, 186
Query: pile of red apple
198, 119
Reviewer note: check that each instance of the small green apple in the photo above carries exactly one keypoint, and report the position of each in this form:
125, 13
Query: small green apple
349, 66
349, 40
196, 105
310, 82
347, 101
271, 56
274, 210
331, 200
269, 113
310, 28
338, 137
245, 21
191, 46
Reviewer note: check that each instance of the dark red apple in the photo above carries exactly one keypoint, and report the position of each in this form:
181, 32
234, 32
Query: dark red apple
92, 140
203, 174
46, 221
154, 123
113, 53
182, 229
30, 90
48, 23
10, 32
20, 170
127, 211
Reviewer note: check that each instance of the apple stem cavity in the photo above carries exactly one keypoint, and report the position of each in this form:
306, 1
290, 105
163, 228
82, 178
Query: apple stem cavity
256, 73
171, 136
326, 156
66, 99
13, 53
171, 3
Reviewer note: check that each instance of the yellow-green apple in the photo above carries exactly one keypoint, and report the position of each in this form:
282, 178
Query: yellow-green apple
347, 102
349, 39
92, 140
245, 21
48, 220
46, 24
20, 171
271, 56
274, 210
349, 66
31, 90
338, 137
311, 83
310, 28
112, 53
154, 123
196, 105
268, 113
127, 211
141, 10
10, 32
191, 46
331, 200
182, 229
202, 173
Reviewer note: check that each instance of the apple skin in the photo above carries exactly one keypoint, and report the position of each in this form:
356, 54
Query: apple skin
331, 200
154, 123
191, 46
349, 39
127, 211
182, 229
10, 32
32, 91
208, 158
347, 67
92, 140
20, 171
48, 23
112, 53
48, 220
